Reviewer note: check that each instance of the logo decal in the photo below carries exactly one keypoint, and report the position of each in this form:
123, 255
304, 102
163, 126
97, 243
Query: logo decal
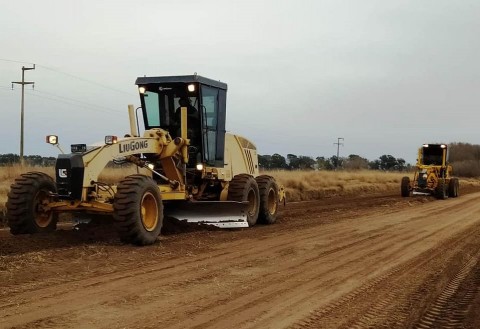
62, 173
132, 146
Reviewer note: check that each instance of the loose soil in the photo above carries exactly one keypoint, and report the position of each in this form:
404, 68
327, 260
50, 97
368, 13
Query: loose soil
373, 261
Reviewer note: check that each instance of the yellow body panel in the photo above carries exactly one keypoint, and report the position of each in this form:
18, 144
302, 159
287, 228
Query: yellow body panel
240, 158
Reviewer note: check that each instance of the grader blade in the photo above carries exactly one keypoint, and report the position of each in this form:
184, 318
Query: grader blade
224, 214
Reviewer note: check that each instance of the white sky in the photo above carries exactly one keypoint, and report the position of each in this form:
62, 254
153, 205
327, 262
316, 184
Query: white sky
385, 75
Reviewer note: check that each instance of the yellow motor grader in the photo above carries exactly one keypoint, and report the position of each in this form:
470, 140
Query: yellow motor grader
196, 170
433, 175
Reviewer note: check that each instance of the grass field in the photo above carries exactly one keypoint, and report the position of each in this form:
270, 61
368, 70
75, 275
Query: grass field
299, 185
311, 185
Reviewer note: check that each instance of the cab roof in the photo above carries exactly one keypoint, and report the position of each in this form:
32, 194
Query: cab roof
181, 79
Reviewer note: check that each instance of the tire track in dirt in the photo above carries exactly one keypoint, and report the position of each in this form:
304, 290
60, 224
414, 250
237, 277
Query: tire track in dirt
177, 268
448, 310
387, 290
310, 288
232, 316
235, 245
392, 290
286, 269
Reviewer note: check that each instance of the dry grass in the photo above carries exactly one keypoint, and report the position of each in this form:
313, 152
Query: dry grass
314, 185
311, 185
8, 175
299, 185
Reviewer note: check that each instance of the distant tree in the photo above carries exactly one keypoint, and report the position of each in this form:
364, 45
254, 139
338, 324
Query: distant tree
306, 162
465, 159
336, 162
265, 161
463, 152
401, 164
32, 160
374, 165
355, 162
278, 162
324, 164
388, 163
9, 159
300, 162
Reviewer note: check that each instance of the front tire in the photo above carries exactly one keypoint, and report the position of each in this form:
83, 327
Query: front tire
138, 210
28, 196
453, 187
441, 190
243, 187
268, 199
405, 187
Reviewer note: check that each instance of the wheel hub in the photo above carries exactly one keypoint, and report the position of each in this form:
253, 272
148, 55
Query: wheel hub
149, 211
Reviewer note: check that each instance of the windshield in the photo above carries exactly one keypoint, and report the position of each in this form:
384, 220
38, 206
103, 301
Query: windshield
161, 109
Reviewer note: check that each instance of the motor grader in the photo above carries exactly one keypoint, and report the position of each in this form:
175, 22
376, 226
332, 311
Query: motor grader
196, 171
433, 175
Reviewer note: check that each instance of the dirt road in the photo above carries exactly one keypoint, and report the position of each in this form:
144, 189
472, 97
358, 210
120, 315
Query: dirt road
364, 262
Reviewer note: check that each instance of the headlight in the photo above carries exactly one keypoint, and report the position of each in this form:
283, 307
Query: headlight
52, 139
109, 140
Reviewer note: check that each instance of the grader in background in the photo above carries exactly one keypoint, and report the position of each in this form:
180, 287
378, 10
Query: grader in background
197, 171
433, 175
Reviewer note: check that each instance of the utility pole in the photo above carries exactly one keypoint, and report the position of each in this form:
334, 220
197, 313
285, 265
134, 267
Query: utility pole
23, 83
338, 149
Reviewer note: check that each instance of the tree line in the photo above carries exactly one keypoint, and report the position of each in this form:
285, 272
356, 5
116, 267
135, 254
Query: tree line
352, 162
32, 160
464, 157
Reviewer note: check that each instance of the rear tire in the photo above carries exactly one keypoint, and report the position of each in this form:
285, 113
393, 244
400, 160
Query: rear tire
243, 187
268, 199
27, 196
453, 187
138, 210
441, 190
405, 187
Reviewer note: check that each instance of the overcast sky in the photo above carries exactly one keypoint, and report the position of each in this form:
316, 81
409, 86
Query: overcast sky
386, 76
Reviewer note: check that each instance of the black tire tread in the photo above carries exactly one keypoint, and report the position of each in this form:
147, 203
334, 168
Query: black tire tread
405, 187
453, 187
238, 191
441, 192
126, 207
265, 182
20, 201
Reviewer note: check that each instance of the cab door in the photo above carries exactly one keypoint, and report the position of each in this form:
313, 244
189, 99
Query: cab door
213, 125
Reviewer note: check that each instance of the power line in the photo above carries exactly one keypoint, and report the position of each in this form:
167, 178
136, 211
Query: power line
84, 105
74, 100
70, 75
65, 100
14, 61
86, 80
5, 87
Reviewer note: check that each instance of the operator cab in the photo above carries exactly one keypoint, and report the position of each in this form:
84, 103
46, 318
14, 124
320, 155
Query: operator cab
205, 100
433, 154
